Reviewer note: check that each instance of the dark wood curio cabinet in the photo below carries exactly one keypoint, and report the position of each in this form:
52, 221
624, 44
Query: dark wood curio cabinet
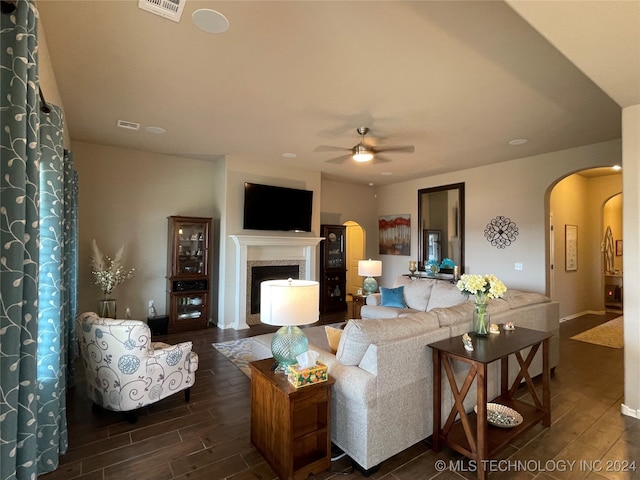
188, 273
333, 269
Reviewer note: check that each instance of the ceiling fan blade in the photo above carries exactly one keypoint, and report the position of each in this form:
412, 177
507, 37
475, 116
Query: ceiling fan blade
339, 160
330, 148
396, 148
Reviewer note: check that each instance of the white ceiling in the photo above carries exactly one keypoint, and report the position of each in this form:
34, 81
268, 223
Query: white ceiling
456, 79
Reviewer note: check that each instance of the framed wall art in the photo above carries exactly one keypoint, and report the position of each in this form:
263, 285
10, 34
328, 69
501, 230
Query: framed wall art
571, 248
395, 234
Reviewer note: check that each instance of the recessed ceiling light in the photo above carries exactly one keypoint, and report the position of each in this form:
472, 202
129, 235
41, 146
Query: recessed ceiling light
371, 184
156, 130
386, 173
518, 141
617, 167
210, 21
289, 155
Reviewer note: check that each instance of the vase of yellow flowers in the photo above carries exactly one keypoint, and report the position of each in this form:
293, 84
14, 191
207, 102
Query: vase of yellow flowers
108, 273
483, 287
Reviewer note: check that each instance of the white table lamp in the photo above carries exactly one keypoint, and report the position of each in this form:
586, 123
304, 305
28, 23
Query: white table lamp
369, 268
289, 303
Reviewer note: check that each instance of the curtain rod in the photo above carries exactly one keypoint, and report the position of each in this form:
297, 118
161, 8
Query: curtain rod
45, 108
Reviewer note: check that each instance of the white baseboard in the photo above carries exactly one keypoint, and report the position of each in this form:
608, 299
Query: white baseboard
580, 314
630, 412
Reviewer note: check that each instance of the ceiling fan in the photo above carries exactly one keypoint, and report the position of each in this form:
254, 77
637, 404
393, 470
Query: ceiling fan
364, 152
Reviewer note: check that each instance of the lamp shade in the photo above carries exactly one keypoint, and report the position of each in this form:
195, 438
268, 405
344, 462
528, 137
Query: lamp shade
289, 302
369, 268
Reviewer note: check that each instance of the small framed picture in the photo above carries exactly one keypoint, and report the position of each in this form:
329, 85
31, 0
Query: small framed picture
618, 248
571, 248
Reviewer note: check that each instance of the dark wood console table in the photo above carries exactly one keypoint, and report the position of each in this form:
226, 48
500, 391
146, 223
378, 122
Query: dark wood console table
476, 439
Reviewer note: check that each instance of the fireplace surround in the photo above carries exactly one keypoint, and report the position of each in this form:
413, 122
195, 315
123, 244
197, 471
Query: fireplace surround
262, 250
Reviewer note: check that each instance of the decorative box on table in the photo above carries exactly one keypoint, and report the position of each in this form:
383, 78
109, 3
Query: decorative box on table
301, 377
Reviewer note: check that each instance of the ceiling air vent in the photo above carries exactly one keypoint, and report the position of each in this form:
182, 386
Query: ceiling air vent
128, 125
171, 9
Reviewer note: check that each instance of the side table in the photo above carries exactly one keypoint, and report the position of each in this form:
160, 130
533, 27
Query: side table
358, 301
471, 436
290, 427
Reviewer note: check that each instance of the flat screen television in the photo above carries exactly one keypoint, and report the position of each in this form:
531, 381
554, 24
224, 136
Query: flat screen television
267, 207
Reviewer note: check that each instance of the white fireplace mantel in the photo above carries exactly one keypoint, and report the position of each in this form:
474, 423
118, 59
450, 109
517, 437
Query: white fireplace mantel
268, 247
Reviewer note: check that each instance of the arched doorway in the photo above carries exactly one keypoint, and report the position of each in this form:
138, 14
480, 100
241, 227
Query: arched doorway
355, 251
577, 207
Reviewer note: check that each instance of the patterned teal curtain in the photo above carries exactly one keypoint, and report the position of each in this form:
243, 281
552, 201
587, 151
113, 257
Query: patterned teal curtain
19, 235
70, 264
38, 304
55, 325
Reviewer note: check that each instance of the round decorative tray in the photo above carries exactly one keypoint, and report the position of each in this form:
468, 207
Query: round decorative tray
501, 415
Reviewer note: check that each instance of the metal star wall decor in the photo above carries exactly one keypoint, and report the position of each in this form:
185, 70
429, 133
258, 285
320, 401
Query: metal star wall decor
501, 232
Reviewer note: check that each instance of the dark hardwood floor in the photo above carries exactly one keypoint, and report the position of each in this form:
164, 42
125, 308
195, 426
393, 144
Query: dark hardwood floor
208, 438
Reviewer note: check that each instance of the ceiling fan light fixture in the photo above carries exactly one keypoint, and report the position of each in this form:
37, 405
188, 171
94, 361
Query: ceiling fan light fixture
362, 154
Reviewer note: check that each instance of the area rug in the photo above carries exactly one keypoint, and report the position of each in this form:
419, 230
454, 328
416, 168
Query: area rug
608, 334
238, 352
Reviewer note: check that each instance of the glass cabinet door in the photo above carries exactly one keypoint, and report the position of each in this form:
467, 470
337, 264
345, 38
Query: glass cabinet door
334, 248
190, 306
188, 247
191, 249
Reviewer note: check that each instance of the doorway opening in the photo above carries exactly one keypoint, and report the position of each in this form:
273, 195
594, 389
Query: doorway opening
580, 208
355, 251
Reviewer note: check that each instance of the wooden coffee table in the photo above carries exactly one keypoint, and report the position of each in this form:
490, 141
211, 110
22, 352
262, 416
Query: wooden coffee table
476, 439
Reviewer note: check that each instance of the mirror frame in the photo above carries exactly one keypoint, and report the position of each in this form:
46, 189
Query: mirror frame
425, 191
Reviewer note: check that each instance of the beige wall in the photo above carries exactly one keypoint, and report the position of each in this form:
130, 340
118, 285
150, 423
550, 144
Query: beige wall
342, 202
125, 197
577, 200
516, 189
631, 260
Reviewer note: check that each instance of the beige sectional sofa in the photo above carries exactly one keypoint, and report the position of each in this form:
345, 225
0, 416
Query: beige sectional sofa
382, 399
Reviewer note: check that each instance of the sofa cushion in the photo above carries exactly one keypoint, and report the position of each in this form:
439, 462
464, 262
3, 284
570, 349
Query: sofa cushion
428, 320
371, 311
455, 314
445, 294
518, 298
416, 291
498, 305
393, 297
359, 334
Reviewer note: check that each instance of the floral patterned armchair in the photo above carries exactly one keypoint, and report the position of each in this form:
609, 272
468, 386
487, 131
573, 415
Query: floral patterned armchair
125, 370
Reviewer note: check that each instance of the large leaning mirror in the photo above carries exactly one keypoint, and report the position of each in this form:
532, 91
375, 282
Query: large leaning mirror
441, 225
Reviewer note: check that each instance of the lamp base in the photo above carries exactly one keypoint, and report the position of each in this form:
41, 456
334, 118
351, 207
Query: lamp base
369, 285
287, 343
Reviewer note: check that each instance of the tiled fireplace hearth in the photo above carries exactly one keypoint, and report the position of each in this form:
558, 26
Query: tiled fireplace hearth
263, 250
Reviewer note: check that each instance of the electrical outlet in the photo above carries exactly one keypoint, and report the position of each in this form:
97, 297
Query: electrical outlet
518, 266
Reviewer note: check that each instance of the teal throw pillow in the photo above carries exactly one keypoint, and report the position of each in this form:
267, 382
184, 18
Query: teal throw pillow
393, 297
